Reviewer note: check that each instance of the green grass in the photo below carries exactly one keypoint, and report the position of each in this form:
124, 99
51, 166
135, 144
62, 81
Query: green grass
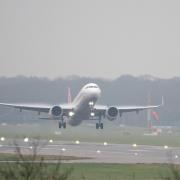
121, 171
115, 171
14, 157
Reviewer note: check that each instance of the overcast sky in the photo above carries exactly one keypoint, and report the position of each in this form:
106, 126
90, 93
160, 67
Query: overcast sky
96, 38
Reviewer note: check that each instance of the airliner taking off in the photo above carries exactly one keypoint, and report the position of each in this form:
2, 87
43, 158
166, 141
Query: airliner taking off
83, 107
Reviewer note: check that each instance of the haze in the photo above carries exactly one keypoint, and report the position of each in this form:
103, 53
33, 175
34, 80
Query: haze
96, 38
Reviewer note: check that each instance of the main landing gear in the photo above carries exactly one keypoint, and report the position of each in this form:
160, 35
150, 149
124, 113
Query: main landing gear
62, 124
99, 125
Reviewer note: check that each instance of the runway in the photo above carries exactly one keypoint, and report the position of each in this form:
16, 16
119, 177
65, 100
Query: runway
100, 152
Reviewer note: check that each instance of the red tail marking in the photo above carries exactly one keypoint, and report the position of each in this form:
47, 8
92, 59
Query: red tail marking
155, 115
69, 96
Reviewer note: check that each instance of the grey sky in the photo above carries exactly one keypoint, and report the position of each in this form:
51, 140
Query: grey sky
97, 38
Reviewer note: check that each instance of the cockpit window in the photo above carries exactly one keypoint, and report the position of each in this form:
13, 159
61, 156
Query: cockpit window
88, 87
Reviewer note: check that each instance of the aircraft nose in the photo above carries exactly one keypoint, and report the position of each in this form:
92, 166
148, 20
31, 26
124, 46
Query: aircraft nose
96, 92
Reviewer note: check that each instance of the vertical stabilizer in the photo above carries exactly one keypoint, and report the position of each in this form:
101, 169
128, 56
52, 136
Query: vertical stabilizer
149, 111
69, 96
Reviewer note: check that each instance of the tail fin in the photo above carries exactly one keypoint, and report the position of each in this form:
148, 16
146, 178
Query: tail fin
162, 104
69, 96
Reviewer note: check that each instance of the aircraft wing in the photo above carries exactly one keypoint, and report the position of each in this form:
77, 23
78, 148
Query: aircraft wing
30, 107
124, 109
135, 108
35, 107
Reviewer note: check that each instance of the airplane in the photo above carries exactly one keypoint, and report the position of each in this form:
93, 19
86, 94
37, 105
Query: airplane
83, 107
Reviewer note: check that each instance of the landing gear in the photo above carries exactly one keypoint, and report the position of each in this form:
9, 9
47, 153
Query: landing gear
91, 106
62, 124
99, 126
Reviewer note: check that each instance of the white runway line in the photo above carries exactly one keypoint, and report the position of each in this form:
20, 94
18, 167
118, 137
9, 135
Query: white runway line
139, 150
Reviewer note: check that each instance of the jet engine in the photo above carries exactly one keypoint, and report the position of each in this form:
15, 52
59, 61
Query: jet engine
56, 111
112, 113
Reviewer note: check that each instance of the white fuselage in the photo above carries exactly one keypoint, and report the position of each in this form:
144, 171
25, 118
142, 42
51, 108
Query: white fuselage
83, 103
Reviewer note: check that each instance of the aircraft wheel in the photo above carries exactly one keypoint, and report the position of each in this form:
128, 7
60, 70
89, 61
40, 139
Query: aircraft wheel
101, 125
64, 125
60, 125
97, 125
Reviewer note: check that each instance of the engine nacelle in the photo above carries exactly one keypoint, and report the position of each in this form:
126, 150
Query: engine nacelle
56, 111
112, 113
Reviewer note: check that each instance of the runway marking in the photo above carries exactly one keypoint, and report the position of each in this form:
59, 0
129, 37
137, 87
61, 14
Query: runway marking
139, 150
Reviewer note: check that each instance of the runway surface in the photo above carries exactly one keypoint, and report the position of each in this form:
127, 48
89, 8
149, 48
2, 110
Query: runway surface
99, 152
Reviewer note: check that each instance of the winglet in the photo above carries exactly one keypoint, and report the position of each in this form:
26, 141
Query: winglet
162, 103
